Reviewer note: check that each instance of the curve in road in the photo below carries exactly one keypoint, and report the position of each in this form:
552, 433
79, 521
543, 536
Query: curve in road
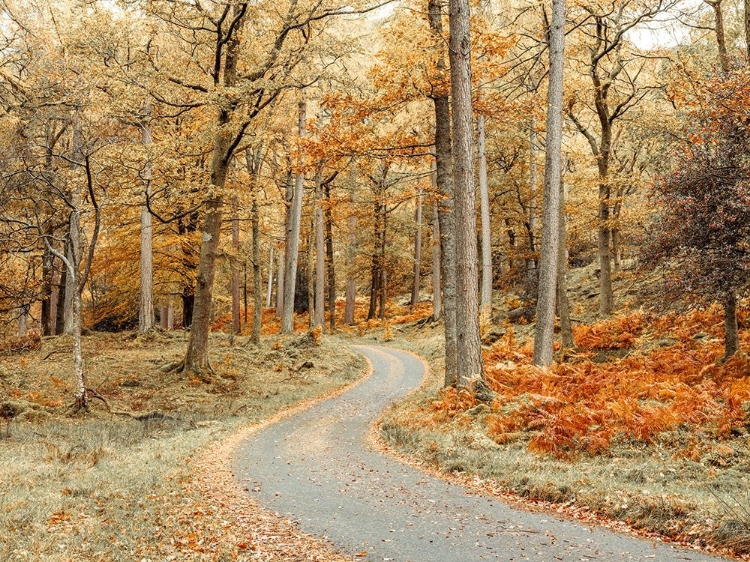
317, 469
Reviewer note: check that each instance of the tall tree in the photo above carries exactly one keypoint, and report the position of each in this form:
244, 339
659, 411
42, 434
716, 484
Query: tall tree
548, 271
444, 182
469, 349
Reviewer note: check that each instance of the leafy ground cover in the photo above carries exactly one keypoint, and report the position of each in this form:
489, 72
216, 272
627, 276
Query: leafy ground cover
641, 424
152, 482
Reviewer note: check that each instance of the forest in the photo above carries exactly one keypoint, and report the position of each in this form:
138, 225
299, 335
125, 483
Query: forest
210, 208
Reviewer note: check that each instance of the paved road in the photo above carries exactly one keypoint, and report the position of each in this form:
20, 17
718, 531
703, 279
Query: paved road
315, 468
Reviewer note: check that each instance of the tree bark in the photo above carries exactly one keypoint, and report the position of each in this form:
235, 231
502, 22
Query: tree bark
351, 253
446, 215
417, 250
257, 280
531, 263
437, 297
545, 311
721, 41
320, 263
280, 269
163, 318
269, 288
331, 268
293, 231
563, 305
146, 305
469, 348
747, 31
234, 265
170, 316
484, 208
731, 329
311, 274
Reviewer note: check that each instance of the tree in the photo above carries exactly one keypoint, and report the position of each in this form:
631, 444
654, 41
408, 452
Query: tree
615, 91
702, 233
548, 274
469, 349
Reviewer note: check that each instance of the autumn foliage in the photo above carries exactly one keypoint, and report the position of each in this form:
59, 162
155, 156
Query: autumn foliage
670, 382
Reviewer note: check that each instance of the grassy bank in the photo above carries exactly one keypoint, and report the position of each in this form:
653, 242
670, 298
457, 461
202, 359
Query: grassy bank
641, 429
104, 486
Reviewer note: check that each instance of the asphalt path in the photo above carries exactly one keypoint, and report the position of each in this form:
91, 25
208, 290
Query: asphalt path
316, 468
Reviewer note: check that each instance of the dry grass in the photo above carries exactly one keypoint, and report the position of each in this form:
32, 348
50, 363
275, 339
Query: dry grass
107, 487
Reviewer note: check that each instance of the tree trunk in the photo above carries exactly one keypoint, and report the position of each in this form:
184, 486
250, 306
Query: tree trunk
48, 274
257, 281
731, 329
320, 257
74, 255
721, 41
606, 298
417, 250
62, 288
234, 266
293, 231
563, 305
484, 208
545, 310
163, 313
351, 253
330, 263
437, 297
170, 316
146, 305
311, 274
23, 320
78, 366
280, 261
269, 288
531, 262
376, 265
469, 348
446, 216
747, 30
382, 287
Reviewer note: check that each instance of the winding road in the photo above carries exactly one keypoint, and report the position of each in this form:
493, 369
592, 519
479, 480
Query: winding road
317, 469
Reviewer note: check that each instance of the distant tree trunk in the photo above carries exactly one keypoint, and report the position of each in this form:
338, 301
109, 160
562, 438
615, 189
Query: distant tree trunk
329, 259
163, 320
446, 216
74, 255
382, 285
511, 242
170, 316
23, 320
484, 208
351, 253
320, 263
311, 274
234, 265
469, 350
48, 275
146, 305
280, 269
377, 265
188, 302
417, 250
731, 329
293, 231
531, 262
257, 280
269, 288
563, 305
437, 297
548, 271
721, 41
747, 30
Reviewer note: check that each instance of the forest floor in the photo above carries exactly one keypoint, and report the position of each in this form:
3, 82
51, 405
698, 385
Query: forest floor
149, 483
640, 429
